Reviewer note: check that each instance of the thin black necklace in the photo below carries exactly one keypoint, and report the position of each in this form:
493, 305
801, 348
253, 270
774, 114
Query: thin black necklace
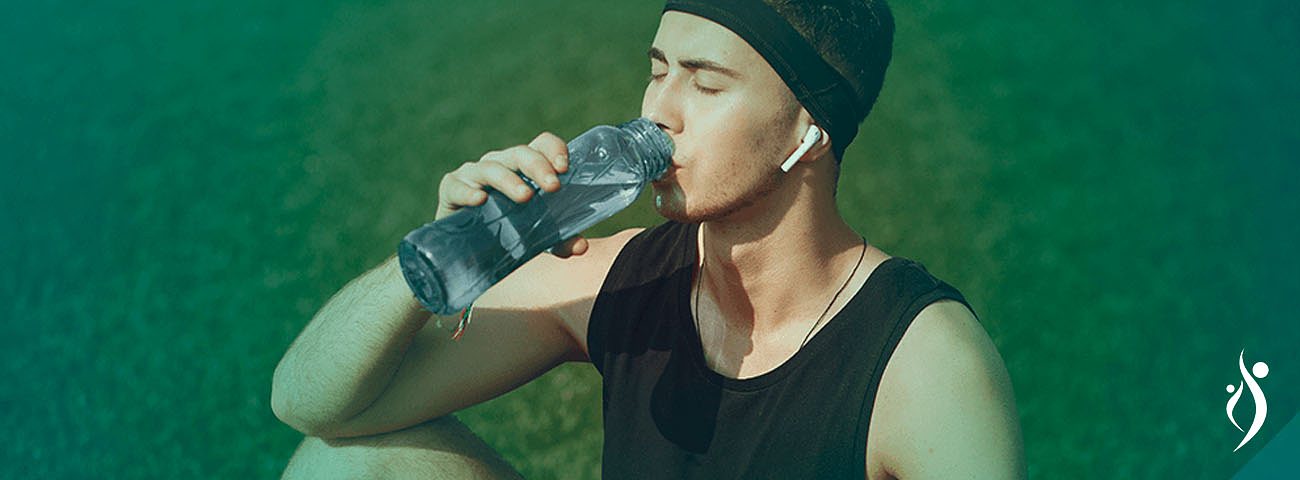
700, 283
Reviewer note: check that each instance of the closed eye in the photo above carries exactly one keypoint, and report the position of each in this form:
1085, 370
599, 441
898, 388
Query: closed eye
654, 77
706, 90
694, 65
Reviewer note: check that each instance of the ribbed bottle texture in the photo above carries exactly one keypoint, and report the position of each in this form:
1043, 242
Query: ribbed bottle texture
450, 262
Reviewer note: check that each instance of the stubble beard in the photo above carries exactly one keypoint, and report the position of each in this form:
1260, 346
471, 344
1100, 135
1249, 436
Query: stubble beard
713, 205
725, 197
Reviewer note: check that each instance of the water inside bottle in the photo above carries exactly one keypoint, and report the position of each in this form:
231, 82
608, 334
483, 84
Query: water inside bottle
499, 231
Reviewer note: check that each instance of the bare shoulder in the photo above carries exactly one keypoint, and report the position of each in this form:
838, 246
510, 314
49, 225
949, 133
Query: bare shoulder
945, 407
566, 287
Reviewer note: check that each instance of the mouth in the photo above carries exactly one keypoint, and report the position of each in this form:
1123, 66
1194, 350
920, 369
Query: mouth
669, 175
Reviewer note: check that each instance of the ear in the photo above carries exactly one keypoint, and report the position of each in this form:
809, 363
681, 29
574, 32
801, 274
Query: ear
821, 149
813, 146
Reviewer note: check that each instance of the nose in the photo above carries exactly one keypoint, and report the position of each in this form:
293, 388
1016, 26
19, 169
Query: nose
662, 105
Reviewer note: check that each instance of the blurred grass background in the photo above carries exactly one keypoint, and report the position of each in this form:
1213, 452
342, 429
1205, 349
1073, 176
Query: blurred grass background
1112, 185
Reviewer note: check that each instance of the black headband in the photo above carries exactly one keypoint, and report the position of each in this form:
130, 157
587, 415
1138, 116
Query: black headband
818, 86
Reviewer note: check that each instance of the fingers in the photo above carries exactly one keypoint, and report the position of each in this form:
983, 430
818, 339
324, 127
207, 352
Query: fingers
454, 193
568, 248
555, 150
532, 164
541, 161
465, 186
498, 176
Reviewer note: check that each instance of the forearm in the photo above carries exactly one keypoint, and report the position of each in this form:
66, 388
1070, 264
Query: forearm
345, 357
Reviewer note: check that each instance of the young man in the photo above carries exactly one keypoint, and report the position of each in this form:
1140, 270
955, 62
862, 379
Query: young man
754, 335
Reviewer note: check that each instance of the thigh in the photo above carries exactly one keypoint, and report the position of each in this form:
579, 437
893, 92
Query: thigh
437, 449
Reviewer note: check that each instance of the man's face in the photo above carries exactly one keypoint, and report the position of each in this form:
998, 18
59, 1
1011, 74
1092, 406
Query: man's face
731, 118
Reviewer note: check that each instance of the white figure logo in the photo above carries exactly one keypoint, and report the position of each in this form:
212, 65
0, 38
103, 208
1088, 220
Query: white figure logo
1260, 369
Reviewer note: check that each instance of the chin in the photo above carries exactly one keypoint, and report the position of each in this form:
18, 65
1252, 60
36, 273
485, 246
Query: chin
677, 212
670, 203
677, 216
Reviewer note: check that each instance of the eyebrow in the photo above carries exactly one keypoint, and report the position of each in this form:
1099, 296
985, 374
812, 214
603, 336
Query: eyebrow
694, 63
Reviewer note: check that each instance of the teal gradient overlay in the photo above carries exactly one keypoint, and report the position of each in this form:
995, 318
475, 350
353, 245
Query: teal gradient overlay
1277, 459
1112, 185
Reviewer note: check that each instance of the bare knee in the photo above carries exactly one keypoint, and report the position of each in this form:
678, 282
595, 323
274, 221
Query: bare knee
440, 448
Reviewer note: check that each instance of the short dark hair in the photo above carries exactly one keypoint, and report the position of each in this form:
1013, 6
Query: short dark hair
856, 37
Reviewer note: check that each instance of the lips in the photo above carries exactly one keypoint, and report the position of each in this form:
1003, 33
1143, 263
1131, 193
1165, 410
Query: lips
669, 175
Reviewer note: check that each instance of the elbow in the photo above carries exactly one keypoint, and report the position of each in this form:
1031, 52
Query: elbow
304, 422
291, 408
283, 405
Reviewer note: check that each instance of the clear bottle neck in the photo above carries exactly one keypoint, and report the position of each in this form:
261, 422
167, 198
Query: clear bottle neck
653, 147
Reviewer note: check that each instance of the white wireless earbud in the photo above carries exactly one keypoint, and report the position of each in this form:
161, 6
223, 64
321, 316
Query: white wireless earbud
811, 138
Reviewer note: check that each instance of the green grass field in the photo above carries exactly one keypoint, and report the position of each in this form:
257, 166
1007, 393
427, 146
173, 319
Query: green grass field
1112, 185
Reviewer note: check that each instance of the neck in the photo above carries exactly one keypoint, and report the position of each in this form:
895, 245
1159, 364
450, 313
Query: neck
772, 267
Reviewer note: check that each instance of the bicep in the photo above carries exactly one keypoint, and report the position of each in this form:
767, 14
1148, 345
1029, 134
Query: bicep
952, 411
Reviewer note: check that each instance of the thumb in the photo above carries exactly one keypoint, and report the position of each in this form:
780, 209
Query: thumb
568, 248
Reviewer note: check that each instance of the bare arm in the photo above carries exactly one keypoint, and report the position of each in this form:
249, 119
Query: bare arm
370, 361
945, 405
346, 355
362, 368
530, 322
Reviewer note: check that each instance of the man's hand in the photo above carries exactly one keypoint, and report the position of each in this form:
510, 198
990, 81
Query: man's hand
541, 160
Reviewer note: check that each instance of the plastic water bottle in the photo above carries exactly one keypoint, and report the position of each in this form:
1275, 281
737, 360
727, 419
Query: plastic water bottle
448, 263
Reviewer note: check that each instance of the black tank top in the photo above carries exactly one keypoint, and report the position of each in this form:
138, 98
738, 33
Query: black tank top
668, 415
